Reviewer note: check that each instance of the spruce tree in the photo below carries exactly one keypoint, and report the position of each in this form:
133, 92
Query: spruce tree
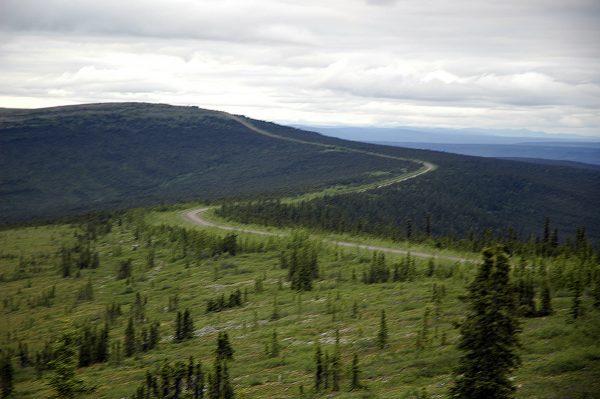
336, 364
23, 355
6, 375
575, 310
382, 335
355, 381
226, 388
154, 335
546, 300
130, 344
274, 345
198, 390
224, 349
102, 345
179, 371
64, 381
489, 333
318, 368
165, 380
184, 326
326, 371
178, 327
187, 327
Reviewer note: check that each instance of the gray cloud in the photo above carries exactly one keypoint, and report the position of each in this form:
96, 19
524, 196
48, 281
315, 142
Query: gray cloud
532, 64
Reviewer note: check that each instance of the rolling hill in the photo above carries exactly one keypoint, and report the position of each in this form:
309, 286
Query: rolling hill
75, 159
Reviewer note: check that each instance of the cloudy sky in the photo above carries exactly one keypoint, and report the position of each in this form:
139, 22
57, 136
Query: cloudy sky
531, 64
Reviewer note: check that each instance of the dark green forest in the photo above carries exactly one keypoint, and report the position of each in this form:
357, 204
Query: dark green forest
70, 160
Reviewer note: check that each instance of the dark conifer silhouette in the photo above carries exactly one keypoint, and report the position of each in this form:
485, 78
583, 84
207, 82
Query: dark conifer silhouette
6, 375
382, 335
489, 333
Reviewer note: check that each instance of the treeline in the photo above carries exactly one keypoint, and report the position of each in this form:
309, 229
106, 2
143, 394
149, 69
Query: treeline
362, 213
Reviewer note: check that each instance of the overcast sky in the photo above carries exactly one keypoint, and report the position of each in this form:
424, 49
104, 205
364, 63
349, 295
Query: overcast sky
530, 64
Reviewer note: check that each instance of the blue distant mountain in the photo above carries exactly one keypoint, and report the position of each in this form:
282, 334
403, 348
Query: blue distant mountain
588, 153
514, 144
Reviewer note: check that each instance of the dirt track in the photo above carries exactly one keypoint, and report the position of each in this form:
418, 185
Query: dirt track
196, 216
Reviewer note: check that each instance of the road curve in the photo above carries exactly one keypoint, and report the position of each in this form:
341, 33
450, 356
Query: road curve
425, 166
197, 216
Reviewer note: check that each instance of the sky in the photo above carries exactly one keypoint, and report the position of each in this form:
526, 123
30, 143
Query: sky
506, 64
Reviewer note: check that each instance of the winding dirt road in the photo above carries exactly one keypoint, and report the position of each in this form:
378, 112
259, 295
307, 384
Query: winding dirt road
425, 166
197, 216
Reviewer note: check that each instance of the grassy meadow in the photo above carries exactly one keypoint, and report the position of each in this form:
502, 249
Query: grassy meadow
561, 358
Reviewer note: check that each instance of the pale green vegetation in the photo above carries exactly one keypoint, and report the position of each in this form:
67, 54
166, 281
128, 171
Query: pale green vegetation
560, 357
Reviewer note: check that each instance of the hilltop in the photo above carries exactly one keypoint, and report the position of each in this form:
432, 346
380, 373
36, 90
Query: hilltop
76, 159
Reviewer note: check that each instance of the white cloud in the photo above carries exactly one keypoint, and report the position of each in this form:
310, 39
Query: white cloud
532, 64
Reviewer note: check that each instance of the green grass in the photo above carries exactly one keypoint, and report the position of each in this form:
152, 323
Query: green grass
560, 359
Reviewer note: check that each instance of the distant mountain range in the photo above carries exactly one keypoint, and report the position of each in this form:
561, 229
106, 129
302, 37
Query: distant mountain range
586, 153
478, 142
445, 136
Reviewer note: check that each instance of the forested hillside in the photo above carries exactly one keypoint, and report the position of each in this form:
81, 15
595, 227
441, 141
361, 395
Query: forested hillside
69, 160
463, 198
75, 159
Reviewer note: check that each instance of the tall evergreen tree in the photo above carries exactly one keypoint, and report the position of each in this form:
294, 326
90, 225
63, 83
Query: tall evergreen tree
355, 379
409, 230
318, 368
187, 325
575, 310
23, 354
130, 342
64, 381
178, 327
336, 365
226, 388
154, 335
224, 349
274, 345
546, 300
489, 333
102, 345
6, 375
382, 335
198, 387
326, 371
